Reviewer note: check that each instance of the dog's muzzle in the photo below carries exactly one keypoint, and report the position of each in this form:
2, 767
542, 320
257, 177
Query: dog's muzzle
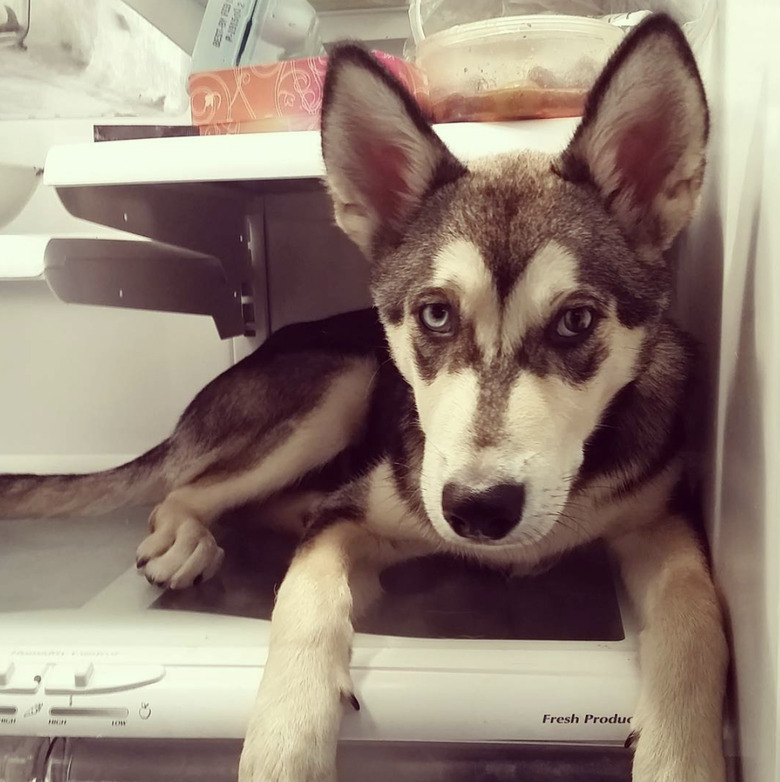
486, 515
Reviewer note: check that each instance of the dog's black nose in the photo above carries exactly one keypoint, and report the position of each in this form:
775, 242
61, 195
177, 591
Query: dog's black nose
487, 514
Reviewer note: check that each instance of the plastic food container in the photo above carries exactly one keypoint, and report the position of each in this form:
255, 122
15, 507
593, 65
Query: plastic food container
277, 96
520, 67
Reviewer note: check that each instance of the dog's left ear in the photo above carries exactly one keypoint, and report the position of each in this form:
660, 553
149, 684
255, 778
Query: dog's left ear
642, 138
381, 155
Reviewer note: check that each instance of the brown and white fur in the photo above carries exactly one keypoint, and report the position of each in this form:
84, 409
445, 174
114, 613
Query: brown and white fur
519, 390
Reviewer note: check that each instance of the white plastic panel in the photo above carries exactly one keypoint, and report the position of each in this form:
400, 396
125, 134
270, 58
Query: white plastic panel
27, 143
22, 678
90, 381
207, 668
21, 256
733, 305
265, 155
85, 678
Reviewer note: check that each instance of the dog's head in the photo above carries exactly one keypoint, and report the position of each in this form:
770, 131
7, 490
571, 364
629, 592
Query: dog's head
519, 294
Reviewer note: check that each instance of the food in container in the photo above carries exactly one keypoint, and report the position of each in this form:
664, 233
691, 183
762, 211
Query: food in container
521, 67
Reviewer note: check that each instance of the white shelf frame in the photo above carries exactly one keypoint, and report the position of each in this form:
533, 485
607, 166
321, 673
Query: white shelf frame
23, 256
265, 156
205, 195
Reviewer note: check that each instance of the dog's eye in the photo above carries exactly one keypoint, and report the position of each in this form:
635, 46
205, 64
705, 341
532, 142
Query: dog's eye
575, 323
437, 317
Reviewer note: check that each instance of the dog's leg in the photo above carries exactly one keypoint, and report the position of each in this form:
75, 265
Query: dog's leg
683, 655
180, 549
293, 730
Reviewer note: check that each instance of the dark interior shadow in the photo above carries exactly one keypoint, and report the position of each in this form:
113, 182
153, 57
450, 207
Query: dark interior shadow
216, 760
434, 597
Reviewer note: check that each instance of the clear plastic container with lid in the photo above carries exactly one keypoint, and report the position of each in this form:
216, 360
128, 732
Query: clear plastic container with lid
519, 67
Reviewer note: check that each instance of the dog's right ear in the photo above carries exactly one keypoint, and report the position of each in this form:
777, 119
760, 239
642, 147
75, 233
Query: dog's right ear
642, 140
381, 155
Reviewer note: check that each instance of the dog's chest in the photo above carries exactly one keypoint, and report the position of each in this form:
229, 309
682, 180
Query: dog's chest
393, 515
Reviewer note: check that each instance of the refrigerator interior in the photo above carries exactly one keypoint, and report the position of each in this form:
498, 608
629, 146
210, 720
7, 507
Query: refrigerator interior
88, 387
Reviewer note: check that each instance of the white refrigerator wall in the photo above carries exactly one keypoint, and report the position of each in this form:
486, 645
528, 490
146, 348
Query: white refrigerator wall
731, 295
82, 385
746, 495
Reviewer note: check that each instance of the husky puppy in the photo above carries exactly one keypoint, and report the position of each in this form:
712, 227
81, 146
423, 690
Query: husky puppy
518, 390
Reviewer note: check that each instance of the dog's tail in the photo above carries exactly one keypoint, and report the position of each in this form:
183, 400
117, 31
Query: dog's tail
138, 482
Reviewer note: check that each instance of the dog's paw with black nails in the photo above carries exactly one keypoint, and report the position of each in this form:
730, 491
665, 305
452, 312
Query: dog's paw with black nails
293, 731
178, 555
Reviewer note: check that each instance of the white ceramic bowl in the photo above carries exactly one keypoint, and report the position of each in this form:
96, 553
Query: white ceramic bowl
17, 184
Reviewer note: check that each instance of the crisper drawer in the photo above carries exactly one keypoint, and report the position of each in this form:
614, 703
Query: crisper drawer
109, 760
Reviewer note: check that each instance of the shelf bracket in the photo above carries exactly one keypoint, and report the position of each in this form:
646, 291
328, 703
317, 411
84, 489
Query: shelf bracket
207, 219
144, 275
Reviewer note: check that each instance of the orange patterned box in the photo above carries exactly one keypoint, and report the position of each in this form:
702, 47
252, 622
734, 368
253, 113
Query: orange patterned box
278, 96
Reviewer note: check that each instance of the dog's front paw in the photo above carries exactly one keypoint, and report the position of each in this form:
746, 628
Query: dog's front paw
178, 552
297, 758
293, 732
676, 758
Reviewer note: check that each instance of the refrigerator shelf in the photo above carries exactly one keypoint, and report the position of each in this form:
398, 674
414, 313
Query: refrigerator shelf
265, 156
